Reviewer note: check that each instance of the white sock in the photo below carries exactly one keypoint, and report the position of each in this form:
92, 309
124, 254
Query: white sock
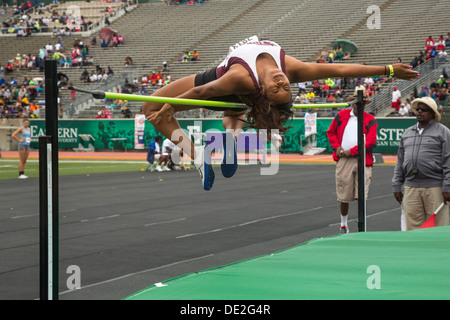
344, 220
198, 156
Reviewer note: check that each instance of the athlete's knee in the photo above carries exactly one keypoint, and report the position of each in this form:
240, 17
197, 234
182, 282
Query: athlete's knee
148, 108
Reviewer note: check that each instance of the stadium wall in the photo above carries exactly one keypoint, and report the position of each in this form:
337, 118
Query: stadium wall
119, 134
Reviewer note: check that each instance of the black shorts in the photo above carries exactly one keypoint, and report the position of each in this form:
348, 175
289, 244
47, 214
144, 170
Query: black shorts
208, 76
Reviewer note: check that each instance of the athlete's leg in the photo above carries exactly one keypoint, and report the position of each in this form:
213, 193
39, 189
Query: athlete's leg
167, 127
233, 121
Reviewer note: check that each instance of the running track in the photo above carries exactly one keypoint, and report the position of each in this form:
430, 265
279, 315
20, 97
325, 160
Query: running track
129, 230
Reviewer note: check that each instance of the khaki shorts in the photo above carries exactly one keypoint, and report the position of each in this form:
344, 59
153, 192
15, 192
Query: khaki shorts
347, 179
419, 204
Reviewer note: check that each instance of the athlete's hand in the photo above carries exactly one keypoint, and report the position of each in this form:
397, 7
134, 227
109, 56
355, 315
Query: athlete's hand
405, 72
165, 113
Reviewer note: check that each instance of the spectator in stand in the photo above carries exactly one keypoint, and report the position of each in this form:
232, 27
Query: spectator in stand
167, 80
443, 98
101, 113
424, 92
49, 47
339, 92
440, 45
102, 76
128, 61
415, 62
9, 67
442, 82
422, 56
323, 56
429, 43
369, 90
143, 91
339, 54
360, 86
125, 111
447, 40
185, 57
62, 79
431, 54
403, 111
331, 98
396, 98
408, 107
93, 77
166, 67
195, 56
311, 95
17, 61
34, 110
115, 42
325, 88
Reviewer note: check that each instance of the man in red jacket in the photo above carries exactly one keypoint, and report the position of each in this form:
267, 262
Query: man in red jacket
343, 137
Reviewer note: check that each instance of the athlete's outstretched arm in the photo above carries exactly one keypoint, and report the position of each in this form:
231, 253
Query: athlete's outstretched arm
298, 71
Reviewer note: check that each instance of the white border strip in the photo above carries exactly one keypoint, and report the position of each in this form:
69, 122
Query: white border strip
50, 221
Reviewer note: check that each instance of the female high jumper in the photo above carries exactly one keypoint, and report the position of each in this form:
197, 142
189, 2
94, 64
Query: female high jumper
257, 73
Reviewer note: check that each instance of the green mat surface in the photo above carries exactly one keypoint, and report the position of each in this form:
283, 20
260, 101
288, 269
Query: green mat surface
364, 266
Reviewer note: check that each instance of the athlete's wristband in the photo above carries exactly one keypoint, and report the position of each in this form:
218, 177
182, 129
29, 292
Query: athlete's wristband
391, 70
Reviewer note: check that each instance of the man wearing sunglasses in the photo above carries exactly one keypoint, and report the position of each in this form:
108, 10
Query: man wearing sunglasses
423, 167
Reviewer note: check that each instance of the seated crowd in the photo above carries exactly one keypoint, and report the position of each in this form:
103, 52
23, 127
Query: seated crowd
438, 89
332, 55
50, 19
98, 75
19, 8
187, 2
189, 56
77, 57
112, 42
432, 49
18, 98
155, 79
336, 90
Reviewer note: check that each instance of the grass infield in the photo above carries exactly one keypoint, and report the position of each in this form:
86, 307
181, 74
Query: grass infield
9, 168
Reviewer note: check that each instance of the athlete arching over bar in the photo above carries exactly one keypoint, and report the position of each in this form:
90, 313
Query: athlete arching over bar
259, 74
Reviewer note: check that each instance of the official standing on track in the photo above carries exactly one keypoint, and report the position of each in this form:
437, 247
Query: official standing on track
343, 137
423, 167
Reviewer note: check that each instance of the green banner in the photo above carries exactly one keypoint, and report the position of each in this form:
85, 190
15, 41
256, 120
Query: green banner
118, 134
